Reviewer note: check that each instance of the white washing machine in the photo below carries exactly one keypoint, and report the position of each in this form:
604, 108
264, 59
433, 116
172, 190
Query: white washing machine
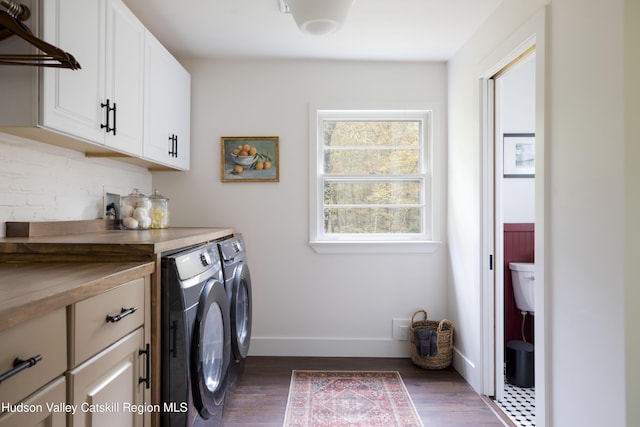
196, 338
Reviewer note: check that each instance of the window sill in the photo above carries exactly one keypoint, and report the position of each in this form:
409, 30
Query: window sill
375, 247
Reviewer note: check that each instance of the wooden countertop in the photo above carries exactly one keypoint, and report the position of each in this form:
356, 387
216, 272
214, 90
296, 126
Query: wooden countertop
47, 272
57, 263
28, 290
113, 245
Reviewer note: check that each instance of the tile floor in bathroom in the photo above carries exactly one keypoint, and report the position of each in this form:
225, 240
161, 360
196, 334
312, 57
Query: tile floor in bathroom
519, 405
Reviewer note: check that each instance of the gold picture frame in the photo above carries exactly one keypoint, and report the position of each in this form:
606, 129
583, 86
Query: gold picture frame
249, 159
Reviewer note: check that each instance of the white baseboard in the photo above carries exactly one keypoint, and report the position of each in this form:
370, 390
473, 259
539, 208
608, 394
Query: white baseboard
466, 368
328, 347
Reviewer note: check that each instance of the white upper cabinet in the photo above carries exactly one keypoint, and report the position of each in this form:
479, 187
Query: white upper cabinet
71, 99
116, 105
167, 107
124, 77
102, 102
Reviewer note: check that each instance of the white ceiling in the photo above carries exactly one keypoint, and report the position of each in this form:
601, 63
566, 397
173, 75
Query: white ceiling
399, 30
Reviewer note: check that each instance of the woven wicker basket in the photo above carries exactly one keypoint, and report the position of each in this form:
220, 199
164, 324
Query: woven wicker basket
444, 339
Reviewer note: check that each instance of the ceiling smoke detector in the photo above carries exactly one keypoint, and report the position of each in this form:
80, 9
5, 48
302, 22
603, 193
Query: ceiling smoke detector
317, 17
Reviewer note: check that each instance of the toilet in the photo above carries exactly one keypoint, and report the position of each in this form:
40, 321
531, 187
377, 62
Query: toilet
523, 280
520, 354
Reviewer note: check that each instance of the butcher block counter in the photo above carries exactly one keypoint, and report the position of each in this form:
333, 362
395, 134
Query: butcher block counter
103, 245
30, 290
34, 247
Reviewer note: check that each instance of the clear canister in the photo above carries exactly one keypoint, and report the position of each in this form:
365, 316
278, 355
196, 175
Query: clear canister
159, 212
134, 210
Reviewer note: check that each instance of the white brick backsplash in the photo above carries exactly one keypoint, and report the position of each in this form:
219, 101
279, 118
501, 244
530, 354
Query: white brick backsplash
14, 199
41, 182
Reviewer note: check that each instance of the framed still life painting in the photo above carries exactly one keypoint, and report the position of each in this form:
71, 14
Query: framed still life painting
249, 158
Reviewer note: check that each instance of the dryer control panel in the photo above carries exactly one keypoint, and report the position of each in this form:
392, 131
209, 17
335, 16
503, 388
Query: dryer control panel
196, 262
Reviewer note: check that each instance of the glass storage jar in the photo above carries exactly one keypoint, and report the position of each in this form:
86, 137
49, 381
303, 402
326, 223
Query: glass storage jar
159, 212
134, 210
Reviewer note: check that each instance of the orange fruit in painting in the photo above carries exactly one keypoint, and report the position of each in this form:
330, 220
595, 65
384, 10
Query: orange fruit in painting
244, 153
239, 147
259, 166
235, 152
238, 169
267, 164
253, 151
246, 147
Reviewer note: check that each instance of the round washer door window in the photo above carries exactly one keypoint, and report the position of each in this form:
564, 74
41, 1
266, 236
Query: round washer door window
241, 311
212, 347
243, 318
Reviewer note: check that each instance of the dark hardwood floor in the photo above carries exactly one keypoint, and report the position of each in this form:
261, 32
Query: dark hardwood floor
442, 398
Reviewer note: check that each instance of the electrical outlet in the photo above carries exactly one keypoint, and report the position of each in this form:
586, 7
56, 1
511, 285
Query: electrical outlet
111, 206
400, 329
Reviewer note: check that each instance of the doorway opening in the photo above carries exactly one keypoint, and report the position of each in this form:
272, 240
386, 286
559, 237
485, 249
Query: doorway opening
514, 236
513, 212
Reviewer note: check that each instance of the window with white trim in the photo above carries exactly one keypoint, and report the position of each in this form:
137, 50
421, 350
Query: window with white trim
371, 180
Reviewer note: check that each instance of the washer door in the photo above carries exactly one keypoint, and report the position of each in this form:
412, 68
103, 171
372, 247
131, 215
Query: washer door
211, 349
241, 311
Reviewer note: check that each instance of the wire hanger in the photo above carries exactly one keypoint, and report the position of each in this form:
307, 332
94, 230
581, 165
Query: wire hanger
10, 25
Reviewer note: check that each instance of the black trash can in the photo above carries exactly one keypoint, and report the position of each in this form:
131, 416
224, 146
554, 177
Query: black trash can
520, 364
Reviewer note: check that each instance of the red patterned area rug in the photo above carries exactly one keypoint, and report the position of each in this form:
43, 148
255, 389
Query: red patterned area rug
349, 399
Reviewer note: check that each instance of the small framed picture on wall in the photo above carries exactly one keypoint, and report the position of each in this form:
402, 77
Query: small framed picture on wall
249, 158
519, 155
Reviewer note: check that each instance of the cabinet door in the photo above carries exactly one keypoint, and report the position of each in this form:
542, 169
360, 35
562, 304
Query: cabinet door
157, 142
71, 99
48, 416
180, 115
167, 107
124, 77
108, 42
44, 336
106, 387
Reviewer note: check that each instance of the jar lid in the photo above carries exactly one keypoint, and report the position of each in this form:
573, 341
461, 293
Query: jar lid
157, 196
136, 194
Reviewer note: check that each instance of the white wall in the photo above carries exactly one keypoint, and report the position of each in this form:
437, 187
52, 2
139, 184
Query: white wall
304, 303
517, 115
584, 202
41, 182
464, 298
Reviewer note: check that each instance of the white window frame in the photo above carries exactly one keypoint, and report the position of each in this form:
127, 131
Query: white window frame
433, 167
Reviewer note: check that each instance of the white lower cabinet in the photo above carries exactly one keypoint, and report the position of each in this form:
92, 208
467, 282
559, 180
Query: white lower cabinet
106, 390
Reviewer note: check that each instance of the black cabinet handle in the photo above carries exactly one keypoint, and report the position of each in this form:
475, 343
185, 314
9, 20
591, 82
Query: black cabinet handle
114, 118
109, 110
173, 151
146, 380
20, 365
173, 331
107, 126
124, 312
